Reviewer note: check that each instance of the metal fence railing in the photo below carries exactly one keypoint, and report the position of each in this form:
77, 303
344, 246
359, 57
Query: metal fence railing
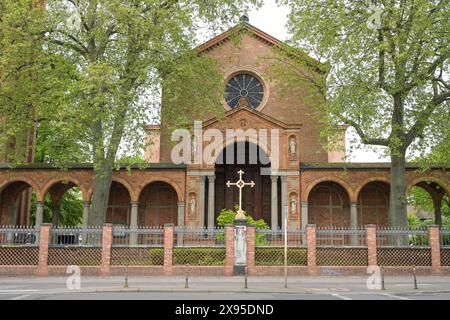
199, 237
402, 237
18, 236
341, 236
86, 237
138, 237
275, 238
445, 238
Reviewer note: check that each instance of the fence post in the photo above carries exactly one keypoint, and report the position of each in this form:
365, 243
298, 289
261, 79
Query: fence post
44, 240
251, 239
434, 237
168, 248
311, 244
371, 239
106, 249
229, 248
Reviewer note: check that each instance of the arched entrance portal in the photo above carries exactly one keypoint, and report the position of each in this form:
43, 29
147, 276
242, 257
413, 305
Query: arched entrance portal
158, 205
249, 158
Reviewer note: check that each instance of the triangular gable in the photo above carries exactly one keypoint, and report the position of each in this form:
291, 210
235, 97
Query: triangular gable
252, 113
258, 34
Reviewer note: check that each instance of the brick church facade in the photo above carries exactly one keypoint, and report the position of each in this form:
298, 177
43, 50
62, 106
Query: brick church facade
315, 186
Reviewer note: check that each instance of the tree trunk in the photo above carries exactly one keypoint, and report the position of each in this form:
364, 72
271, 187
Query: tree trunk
101, 186
397, 202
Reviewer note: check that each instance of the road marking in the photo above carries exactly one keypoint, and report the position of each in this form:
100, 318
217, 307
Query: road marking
337, 295
395, 297
20, 297
17, 290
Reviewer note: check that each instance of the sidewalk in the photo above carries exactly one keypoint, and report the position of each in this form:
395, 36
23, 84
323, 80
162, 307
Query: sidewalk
307, 285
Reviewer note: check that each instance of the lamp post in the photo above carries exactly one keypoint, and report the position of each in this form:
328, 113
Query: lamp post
286, 212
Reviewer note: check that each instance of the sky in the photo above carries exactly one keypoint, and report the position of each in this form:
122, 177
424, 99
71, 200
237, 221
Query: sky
272, 19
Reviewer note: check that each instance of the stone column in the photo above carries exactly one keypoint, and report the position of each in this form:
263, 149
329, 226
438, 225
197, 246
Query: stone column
168, 248
304, 221
311, 244
106, 249
134, 222
56, 209
284, 196
44, 240
435, 245
180, 221
201, 202
211, 180
39, 213
86, 211
354, 222
274, 202
371, 236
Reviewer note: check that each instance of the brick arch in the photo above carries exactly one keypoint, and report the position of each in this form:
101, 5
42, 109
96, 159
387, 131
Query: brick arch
126, 184
173, 184
342, 183
439, 182
158, 204
264, 146
26, 180
50, 184
369, 180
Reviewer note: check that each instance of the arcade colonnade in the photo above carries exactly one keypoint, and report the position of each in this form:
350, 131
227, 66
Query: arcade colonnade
331, 195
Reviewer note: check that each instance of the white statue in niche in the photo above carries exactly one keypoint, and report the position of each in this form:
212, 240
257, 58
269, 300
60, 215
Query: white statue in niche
194, 147
293, 206
292, 146
192, 205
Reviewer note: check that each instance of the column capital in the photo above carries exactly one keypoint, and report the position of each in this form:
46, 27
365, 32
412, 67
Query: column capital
134, 203
86, 203
283, 178
211, 178
274, 178
181, 203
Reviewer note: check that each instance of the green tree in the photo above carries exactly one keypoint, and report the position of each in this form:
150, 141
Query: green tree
123, 52
31, 78
71, 209
389, 76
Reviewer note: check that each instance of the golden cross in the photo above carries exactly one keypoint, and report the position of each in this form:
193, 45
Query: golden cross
240, 184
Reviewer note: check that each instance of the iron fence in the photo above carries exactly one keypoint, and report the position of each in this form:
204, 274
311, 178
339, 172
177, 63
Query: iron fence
341, 236
199, 237
138, 237
445, 238
402, 237
72, 237
275, 238
18, 236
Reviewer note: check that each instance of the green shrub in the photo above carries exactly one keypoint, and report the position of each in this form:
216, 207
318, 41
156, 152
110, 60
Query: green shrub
227, 216
199, 256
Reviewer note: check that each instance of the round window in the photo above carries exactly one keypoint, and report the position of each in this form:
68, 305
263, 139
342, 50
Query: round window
244, 89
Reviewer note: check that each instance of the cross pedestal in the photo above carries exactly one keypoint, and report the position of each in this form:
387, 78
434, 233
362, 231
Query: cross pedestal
240, 246
240, 229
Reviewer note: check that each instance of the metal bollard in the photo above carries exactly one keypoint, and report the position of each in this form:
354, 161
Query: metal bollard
125, 285
245, 283
186, 283
382, 279
415, 278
